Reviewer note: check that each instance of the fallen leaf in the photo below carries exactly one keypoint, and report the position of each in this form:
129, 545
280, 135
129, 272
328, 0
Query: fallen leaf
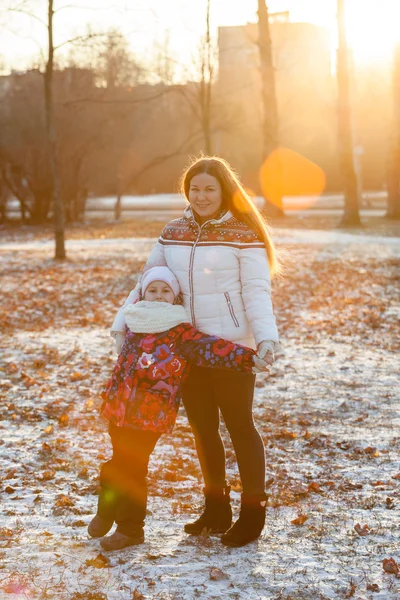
389, 503
389, 565
364, 530
300, 520
78, 376
284, 434
314, 487
300, 489
63, 420
351, 591
47, 475
100, 562
64, 501
46, 447
216, 574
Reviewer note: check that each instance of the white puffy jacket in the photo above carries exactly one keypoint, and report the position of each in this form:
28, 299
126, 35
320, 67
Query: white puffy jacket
223, 272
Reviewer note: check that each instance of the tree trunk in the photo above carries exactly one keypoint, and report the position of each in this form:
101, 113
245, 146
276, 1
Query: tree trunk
58, 212
117, 208
393, 208
205, 85
351, 216
270, 126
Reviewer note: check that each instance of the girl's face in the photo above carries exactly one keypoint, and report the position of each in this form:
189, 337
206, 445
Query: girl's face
159, 291
205, 196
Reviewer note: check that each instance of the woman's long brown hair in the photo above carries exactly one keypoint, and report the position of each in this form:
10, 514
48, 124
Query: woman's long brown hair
235, 199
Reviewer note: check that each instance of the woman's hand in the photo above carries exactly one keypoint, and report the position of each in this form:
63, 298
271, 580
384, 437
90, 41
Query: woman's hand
260, 366
119, 341
265, 351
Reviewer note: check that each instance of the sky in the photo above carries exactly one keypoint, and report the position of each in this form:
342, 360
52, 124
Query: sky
372, 24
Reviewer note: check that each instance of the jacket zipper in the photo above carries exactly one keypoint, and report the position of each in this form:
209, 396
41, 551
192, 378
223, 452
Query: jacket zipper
230, 306
191, 261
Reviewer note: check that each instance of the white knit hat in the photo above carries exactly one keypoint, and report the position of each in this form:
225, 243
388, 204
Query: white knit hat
160, 274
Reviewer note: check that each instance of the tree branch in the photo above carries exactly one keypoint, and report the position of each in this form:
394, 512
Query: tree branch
27, 13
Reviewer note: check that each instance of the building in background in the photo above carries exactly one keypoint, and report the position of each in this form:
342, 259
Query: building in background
305, 91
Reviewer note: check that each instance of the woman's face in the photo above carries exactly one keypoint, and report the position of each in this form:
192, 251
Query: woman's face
159, 291
205, 196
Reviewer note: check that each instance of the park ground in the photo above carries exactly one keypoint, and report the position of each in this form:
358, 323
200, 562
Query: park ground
328, 412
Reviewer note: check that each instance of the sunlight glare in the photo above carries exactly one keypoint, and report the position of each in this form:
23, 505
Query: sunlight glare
373, 29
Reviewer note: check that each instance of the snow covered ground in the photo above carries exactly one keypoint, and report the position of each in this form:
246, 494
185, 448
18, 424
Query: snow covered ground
329, 414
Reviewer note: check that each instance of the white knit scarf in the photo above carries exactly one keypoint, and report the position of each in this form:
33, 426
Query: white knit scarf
154, 317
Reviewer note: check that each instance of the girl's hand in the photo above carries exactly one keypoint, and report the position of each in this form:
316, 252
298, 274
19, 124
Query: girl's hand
265, 351
119, 341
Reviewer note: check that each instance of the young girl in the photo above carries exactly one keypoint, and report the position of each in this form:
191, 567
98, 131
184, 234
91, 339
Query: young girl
141, 399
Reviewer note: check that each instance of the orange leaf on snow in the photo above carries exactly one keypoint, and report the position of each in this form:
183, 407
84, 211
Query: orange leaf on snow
364, 530
300, 489
284, 434
314, 487
389, 503
216, 574
64, 501
389, 565
47, 475
100, 562
46, 447
77, 376
63, 420
300, 520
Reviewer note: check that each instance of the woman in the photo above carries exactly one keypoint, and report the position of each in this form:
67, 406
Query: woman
222, 255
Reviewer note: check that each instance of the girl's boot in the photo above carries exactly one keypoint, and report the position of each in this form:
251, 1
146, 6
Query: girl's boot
217, 514
101, 524
130, 517
250, 523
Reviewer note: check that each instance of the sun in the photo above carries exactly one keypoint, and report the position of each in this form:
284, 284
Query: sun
373, 29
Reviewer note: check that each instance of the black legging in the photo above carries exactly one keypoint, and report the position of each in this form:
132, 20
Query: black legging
207, 390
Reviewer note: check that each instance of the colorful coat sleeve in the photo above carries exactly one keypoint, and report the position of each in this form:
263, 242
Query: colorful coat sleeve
205, 350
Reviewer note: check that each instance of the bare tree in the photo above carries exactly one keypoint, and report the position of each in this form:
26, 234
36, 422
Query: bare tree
268, 87
351, 216
206, 82
270, 124
199, 95
393, 209
51, 134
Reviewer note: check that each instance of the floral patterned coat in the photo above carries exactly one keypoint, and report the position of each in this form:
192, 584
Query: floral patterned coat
144, 388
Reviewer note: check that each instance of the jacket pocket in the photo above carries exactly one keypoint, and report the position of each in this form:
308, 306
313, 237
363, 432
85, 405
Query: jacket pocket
230, 307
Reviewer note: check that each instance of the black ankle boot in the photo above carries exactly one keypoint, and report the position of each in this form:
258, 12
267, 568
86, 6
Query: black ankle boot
250, 523
217, 514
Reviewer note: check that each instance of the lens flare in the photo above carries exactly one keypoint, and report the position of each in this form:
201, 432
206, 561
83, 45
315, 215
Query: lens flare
287, 174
